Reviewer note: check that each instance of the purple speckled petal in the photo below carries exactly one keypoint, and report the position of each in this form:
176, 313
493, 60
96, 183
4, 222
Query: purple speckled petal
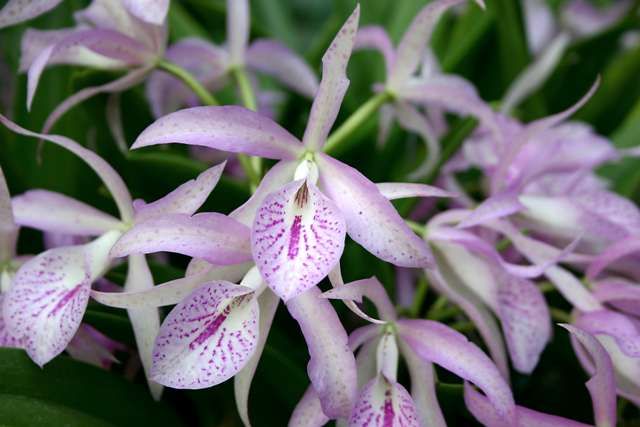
228, 128
273, 58
308, 411
372, 221
602, 385
151, 11
50, 292
238, 15
16, 11
207, 338
54, 212
383, 403
333, 85
6, 338
376, 37
186, 199
211, 236
8, 227
621, 328
403, 190
268, 304
109, 176
484, 412
526, 321
297, 238
332, 367
91, 346
450, 349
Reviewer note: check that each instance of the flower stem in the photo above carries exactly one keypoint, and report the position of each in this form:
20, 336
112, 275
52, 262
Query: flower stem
252, 166
356, 120
187, 78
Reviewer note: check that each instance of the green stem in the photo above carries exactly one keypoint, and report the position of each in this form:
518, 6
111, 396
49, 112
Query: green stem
356, 120
418, 298
417, 228
187, 78
560, 315
252, 165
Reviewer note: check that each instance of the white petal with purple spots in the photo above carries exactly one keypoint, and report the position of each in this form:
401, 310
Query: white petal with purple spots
384, 404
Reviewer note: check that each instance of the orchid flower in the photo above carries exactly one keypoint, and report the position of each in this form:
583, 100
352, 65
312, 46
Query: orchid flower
382, 400
212, 64
432, 89
299, 229
17, 11
108, 35
63, 276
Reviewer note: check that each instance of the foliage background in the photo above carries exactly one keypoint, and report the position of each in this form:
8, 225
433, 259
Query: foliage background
488, 48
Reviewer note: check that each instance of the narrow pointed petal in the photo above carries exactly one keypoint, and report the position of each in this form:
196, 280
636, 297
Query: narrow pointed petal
279, 175
621, 328
186, 199
113, 114
268, 303
172, 292
444, 346
602, 385
376, 37
297, 238
383, 403
333, 85
144, 321
210, 236
238, 16
414, 40
526, 321
207, 338
230, 128
423, 388
372, 221
275, 59
483, 411
54, 212
8, 227
403, 190
332, 367
414, 121
498, 206
44, 307
613, 253
16, 11
109, 176
370, 288
151, 11
91, 346
308, 411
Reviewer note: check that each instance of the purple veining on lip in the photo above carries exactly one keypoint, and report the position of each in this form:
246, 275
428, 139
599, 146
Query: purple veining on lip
294, 239
65, 299
384, 404
389, 413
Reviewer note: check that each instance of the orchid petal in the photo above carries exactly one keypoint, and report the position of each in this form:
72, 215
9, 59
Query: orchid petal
484, 412
16, 11
383, 403
297, 238
229, 128
362, 335
370, 288
308, 412
376, 37
618, 326
54, 212
109, 176
347, 296
172, 292
275, 59
50, 292
237, 29
186, 199
403, 190
151, 11
210, 236
602, 384
91, 346
413, 120
279, 175
372, 221
332, 367
366, 362
444, 346
613, 253
497, 206
268, 303
623, 295
6, 338
113, 114
8, 227
423, 388
333, 85
526, 321
144, 321
207, 338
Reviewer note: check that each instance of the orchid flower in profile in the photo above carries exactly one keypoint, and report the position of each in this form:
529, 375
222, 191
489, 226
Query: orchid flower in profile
299, 230
382, 400
430, 90
107, 36
212, 64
